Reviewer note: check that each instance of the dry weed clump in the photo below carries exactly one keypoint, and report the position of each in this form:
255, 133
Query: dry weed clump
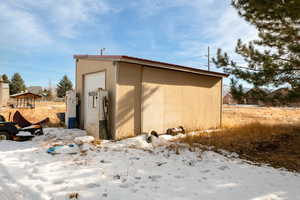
277, 144
73, 196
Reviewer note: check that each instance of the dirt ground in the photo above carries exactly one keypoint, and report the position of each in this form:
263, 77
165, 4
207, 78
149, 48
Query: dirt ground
42, 110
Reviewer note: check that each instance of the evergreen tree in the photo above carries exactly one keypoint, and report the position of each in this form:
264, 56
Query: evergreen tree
274, 58
237, 91
16, 84
5, 78
63, 86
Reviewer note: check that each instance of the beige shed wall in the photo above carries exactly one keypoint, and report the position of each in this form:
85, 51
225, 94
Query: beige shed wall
128, 107
156, 99
87, 66
172, 98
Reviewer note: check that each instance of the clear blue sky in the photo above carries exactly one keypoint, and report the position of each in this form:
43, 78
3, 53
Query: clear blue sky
39, 38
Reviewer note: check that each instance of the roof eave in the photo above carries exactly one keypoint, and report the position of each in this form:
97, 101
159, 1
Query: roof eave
151, 63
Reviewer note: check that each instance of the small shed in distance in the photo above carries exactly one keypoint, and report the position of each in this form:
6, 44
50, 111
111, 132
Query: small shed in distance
25, 99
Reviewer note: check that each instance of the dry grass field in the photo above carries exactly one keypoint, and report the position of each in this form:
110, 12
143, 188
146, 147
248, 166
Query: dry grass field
263, 135
42, 110
240, 115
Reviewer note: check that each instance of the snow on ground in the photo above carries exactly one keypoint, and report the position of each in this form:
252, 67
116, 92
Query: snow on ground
123, 170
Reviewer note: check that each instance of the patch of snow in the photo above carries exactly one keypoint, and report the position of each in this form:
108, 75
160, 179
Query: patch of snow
60, 134
138, 142
24, 133
85, 147
159, 141
84, 139
123, 169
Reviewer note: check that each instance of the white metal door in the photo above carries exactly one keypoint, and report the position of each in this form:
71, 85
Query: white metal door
92, 82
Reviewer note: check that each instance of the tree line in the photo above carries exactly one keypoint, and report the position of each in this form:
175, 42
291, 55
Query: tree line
17, 85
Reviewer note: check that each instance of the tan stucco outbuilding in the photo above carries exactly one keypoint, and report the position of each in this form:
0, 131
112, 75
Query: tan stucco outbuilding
148, 95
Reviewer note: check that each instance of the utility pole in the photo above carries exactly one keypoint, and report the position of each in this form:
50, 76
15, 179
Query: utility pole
101, 51
49, 84
208, 58
50, 94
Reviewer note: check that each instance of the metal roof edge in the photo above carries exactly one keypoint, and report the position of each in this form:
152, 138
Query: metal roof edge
153, 63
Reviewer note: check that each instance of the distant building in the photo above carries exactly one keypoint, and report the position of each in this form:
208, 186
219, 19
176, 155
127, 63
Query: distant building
35, 89
25, 99
4, 92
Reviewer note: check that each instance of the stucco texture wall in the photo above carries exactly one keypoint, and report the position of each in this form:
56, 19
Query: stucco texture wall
172, 98
128, 106
87, 66
156, 99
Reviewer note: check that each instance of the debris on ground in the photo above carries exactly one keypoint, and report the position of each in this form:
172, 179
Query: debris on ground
64, 149
81, 145
74, 196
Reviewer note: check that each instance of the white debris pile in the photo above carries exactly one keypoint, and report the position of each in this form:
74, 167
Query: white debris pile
143, 142
24, 133
115, 171
157, 141
84, 140
60, 134
138, 142
84, 143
